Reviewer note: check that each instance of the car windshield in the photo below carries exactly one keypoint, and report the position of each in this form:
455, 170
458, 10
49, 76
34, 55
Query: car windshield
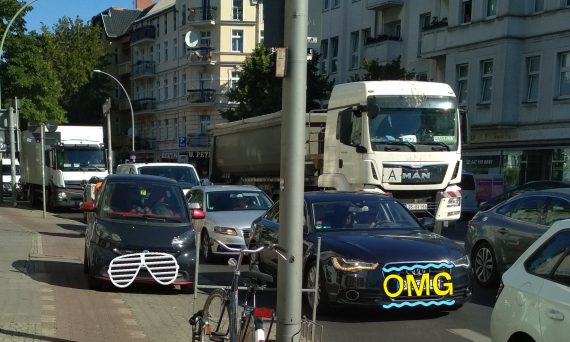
362, 215
237, 200
143, 201
184, 175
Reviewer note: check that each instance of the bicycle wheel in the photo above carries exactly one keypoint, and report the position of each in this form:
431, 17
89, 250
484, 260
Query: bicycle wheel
217, 312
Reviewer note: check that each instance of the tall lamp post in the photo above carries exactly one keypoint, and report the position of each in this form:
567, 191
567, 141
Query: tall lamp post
130, 105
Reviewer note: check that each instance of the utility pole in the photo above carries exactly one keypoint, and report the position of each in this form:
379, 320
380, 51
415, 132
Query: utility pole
12, 154
290, 273
107, 114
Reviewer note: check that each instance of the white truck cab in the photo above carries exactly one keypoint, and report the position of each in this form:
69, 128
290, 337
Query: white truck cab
7, 176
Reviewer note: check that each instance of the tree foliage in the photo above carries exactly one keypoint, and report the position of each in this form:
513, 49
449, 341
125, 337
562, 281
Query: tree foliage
259, 92
378, 72
48, 70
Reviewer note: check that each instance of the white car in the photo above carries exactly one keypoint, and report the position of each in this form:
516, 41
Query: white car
184, 174
533, 303
468, 185
225, 213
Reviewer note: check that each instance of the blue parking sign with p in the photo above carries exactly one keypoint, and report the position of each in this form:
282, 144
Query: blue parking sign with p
182, 141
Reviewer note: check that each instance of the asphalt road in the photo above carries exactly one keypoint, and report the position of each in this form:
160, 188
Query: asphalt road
161, 314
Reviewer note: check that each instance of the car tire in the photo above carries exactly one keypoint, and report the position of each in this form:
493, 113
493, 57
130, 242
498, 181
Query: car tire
485, 265
187, 289
323, 304
206, 247
94, 283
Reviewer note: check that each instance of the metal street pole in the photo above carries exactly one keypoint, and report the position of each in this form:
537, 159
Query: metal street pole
130, 105
289, 295
12, 153
107, 114
43, 162
6, 33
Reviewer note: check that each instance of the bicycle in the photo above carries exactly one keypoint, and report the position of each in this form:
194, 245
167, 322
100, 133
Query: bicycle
218, 320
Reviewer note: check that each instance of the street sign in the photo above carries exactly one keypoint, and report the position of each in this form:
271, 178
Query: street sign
181, 141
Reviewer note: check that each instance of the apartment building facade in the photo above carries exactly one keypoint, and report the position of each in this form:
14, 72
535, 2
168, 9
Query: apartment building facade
507, 60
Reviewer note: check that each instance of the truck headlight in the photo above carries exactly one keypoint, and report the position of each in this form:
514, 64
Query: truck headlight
225, 231
350, 265
454, 202
462, 262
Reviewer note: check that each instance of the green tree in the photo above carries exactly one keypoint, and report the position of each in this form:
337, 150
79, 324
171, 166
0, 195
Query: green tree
378, 72
259, 92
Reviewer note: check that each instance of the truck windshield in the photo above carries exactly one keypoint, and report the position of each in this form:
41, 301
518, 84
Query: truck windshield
70, 159
408, 122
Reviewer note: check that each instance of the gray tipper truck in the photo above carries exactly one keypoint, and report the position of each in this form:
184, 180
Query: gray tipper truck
395, 137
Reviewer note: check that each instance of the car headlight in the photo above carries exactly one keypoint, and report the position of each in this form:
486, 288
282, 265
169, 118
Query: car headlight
462, 262
107, 236
351, 265
225, 231
185, 239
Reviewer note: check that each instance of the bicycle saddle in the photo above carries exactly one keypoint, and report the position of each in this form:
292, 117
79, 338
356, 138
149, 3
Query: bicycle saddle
258, 276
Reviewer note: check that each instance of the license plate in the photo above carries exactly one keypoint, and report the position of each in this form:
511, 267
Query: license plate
417, 206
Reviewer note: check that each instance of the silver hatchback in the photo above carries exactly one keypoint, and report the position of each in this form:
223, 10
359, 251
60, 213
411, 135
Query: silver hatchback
497, 237
225, 213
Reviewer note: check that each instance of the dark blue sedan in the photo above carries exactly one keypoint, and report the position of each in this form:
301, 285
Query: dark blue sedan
374, 252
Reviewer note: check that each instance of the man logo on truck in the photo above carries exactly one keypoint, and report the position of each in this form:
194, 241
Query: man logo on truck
416, 175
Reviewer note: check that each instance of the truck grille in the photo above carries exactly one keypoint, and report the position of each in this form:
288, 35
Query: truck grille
427, 174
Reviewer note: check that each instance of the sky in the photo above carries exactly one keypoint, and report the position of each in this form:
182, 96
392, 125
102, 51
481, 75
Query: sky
49, 11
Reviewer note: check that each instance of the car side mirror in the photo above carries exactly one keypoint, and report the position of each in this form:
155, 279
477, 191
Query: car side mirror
361, 149
88, 206
205, 182
427, 222
198, 214
483, 205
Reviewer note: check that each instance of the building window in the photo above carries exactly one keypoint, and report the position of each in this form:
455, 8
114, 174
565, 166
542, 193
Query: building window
165, 23
184, 14
324, 55
533, 72
175, 87
538, 6
159, 90
462, 75
237, 9
237, 40
491, 8
174, 21
334, 55
234, 78
184, 48
165, 52
565, 74
425, 19
204, 123
326, 4
354, 55
205, 38
157, 28
466, 11
335, 3
183, 85
174, 48
567, 3
158, 52
261, 36
486, 80
165, 89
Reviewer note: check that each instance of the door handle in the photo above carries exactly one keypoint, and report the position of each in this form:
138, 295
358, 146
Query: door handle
503, 230
555, 315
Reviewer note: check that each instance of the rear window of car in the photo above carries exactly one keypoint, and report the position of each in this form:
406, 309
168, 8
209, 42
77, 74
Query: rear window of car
467, 182
184, 175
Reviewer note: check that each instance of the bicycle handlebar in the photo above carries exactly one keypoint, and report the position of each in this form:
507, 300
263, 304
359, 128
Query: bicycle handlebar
275, 247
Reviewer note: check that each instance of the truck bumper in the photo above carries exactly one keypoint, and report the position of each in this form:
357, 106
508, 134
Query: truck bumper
67, 198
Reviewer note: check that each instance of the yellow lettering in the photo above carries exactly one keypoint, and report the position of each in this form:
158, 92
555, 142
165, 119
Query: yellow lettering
400, 286
424, 284
447, 284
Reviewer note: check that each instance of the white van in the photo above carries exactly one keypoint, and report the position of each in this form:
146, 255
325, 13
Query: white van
184, 174
468, 185
7, 176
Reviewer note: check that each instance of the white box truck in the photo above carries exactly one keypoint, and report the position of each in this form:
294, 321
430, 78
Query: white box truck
73, 154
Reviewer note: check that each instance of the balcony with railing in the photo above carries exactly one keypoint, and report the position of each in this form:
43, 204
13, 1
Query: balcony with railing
125, 68
201, 56
198, 140
143, 34
144, 105
383, 48
199, 16
143, 69
201, 96
383, 4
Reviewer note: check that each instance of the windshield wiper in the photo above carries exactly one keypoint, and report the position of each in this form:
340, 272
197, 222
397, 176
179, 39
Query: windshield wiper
97, 168
402, 143
437, 143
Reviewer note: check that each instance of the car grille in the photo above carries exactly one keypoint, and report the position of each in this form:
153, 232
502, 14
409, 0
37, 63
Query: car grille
403, 269
127, 250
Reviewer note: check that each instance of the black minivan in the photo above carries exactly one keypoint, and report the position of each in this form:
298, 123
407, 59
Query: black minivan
139, 214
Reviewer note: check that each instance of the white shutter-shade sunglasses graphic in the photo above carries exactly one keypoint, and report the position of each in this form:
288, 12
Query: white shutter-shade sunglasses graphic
124, 269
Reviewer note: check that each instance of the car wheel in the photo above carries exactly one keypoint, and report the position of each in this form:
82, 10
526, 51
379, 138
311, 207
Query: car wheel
206, 247
323, 305
485, 265
187, 289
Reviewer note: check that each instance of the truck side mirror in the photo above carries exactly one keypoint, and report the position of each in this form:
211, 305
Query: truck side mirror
344, 126
464, 127
372, 106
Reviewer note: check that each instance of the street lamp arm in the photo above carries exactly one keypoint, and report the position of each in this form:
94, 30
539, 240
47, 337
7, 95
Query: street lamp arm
130, 105
6, 33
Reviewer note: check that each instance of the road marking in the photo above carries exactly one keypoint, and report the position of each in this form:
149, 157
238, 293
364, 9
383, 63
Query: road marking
470, 335
48, 307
